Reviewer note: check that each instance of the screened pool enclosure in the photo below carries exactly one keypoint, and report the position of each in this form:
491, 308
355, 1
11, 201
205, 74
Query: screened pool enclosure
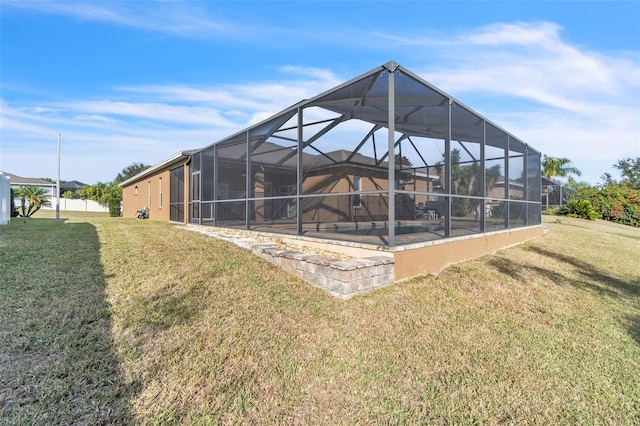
383, 159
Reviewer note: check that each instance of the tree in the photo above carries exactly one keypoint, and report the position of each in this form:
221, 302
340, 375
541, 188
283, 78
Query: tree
575, 185
630, 171
403, 161
466, 180
32, 199
108, 193
14, 210
558, 167
100, 192
607, 179
130, 171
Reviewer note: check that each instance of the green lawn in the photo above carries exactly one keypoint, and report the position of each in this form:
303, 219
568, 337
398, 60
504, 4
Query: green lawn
118, 321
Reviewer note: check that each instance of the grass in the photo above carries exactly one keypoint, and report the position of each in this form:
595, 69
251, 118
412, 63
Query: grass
57, 359
64, 214
111, 320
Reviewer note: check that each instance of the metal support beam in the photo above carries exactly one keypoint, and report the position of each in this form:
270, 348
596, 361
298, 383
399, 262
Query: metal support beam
312, 139
391, 170
200, 191
447, 168
247, 192
300, 172
418, 152
214, 206
467, 150
386, 154
483, 179
507, 185
525, 183
363, 141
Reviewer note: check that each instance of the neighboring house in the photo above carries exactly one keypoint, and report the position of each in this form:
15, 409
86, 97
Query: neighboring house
71, 186
18, 181
555, 194
50, 190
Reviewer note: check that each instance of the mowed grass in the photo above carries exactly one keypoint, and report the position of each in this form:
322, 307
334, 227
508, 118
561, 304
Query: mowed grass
58, 364
112, 320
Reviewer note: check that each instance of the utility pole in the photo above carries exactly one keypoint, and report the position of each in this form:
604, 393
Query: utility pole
58, 183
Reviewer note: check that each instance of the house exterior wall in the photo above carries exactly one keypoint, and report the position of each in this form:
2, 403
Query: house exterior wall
153, 191
368, 206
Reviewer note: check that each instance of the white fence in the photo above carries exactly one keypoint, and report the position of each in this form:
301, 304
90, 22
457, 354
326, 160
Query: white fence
77, 205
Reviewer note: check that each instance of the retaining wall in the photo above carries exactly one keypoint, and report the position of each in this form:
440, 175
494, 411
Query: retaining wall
339, 277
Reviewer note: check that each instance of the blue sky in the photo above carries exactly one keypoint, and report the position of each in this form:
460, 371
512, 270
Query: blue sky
137, 81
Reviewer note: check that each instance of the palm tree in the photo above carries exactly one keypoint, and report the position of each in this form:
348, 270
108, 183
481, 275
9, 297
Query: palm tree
466, 179
558, 167
32, 198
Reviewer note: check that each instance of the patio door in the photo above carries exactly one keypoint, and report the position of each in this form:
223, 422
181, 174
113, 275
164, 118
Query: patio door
176, 195
195, 198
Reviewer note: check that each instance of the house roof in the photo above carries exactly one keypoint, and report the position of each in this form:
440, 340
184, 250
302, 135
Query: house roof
178, 156
19, 180
73, 184
268, 153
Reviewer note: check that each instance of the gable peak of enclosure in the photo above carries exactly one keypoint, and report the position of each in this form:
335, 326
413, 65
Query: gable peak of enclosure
322, 168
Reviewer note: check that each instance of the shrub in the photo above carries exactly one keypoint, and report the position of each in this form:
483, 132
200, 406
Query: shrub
581, 209
114, 207
615, 203
552, 211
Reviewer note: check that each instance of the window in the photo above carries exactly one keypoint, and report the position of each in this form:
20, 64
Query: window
222, 191
288, 207
357, 202
136, 190
160, 186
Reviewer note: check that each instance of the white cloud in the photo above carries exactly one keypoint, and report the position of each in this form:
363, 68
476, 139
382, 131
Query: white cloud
179, 114
562, 99
183, 19
521, 33
252, 95
94, 117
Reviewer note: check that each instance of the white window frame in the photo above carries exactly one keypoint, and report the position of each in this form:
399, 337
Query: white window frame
357, 187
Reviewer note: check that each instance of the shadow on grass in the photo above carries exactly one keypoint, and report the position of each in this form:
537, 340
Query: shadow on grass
590, 276
632, 323
58, 362
579, 274
593, 278
165, 309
